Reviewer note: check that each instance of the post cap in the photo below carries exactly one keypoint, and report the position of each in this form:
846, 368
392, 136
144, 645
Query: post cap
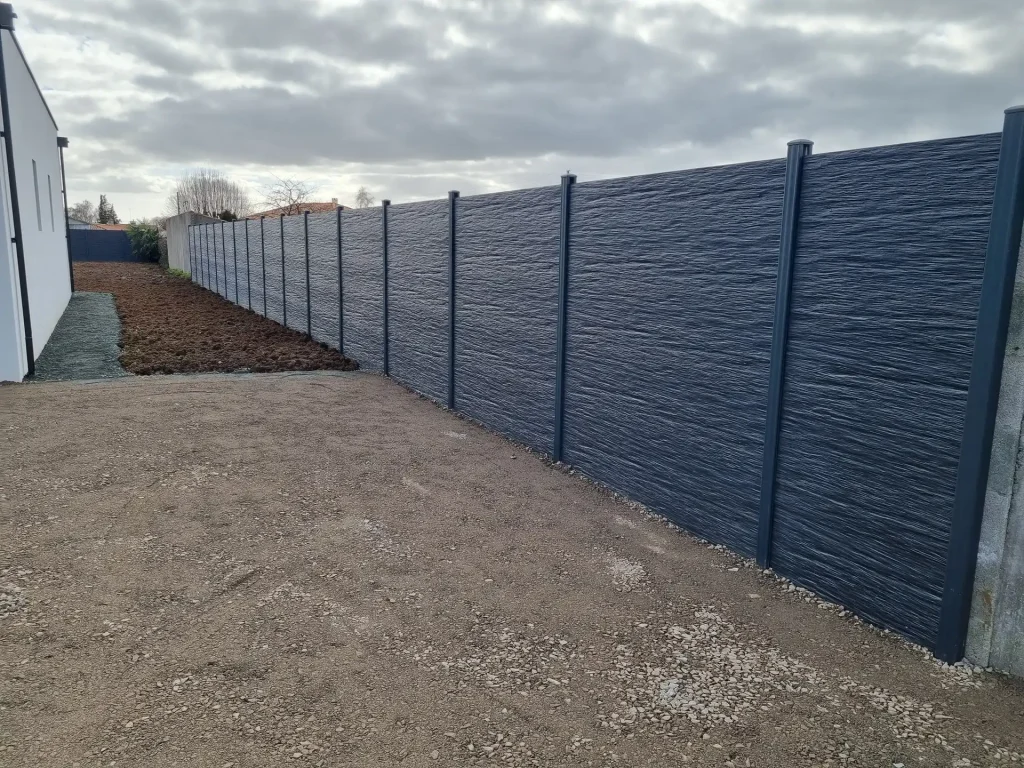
1018, 108
385, 203
7, 16
797, 142
452, 194
62, 142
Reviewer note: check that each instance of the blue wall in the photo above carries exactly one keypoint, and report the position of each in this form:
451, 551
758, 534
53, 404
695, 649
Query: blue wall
669, 317
100, 245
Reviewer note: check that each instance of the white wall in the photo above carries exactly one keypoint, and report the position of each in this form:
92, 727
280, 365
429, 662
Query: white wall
34, 138
13, 366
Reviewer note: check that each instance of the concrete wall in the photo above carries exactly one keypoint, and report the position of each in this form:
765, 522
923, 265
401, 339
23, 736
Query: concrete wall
177, 239
37, 171
996, 637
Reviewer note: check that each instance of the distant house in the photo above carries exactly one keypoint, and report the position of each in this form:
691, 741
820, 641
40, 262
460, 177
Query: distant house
35, 271
74, 223
311, 207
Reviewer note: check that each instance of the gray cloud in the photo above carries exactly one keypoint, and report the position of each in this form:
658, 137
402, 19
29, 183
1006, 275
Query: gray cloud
407, 83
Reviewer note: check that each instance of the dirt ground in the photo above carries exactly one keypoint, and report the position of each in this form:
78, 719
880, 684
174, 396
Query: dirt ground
170, 325
326, 570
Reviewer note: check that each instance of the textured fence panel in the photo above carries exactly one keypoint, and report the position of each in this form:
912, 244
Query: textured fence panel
272, 248
890, 253
256, 264
418, 296
323, 276
362, 259
295, 271
218, 265
672, 287
243, 264
208, 255
506, 311
230, 260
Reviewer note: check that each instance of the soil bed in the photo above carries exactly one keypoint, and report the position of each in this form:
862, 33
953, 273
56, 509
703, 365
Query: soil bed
170, 325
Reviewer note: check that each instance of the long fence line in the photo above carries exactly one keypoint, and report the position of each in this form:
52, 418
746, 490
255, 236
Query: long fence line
786, 357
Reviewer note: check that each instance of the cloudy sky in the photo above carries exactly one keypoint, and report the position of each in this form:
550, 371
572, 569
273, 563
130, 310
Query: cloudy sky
415, 97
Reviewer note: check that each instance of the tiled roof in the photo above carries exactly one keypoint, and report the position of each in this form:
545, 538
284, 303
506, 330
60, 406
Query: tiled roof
311, 207
114, 227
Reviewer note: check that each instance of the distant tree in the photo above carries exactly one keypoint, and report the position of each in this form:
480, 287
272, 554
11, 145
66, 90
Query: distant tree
209, 192
83, 211
227, 216
290, 195
105, 213
364, 199
145, 240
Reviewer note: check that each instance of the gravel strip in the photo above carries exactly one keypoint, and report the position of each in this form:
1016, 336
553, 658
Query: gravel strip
84, 345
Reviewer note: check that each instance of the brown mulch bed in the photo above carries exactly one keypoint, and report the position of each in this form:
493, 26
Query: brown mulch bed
170, 325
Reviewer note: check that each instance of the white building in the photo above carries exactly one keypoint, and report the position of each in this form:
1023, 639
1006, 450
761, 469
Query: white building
35, 271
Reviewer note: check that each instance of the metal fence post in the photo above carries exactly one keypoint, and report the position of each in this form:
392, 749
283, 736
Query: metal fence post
188, 228
563, 304
385, 204
309, 311
798, 150
263, 264
1004, 239
284, 287
234, 254
248, 269
452, 197
341, 293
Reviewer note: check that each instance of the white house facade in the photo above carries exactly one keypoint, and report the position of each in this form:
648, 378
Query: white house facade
35, 271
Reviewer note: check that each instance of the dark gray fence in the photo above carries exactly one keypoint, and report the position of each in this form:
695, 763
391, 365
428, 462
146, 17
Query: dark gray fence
100, 245
775, 355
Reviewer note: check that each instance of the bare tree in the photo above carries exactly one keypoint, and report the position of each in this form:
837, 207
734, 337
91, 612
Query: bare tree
288, 195
209, 192
83, 211
364, 199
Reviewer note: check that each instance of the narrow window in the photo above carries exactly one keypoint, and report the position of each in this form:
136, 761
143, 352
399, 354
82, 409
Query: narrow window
35, 183
49, 189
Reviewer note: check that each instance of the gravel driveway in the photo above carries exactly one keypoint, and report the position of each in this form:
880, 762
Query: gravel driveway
326, 570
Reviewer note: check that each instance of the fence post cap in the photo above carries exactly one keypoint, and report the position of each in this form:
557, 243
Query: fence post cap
569, 178
452, 194
798, 142
385, 203
1018, 108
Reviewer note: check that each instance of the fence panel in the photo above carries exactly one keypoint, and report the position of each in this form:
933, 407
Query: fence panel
323, 276
272, 247
243, 266
506, 306
362, 258
256, 265
295, 271
418, 296
208, 256
230, 275
672, 288
890, 252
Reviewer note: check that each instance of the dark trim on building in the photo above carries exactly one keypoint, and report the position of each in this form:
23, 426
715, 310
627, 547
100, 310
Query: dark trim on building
62, 143
19, 246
